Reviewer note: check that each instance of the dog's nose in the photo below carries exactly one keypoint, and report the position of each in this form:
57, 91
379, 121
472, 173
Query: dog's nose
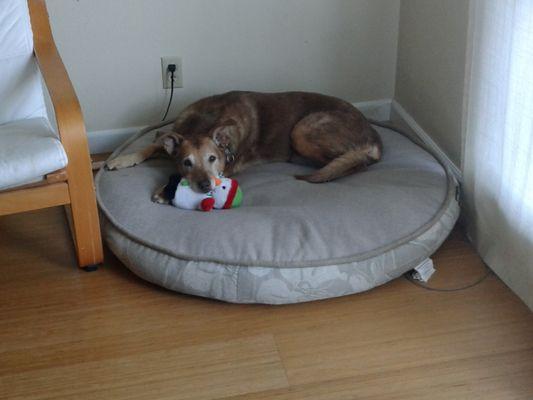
205, 186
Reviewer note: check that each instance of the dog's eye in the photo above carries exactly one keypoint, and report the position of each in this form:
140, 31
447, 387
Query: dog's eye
187, 163
212, 159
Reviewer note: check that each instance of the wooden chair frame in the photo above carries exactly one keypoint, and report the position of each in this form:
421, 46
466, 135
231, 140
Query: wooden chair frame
74, 185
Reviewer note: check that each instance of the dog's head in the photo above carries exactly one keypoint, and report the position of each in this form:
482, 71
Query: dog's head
199, 158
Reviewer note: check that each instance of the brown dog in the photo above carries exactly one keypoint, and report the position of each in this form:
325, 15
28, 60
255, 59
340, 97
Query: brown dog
228, 132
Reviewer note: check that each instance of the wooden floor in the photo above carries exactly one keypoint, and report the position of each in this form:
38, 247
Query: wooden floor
68, 334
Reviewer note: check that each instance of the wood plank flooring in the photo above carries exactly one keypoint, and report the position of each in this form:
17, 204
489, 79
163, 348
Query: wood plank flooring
68, 334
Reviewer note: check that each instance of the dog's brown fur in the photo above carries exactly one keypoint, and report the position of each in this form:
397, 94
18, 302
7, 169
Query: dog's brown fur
228, 132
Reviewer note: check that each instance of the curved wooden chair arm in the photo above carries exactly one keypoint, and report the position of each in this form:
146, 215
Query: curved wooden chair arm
66, 105
69, 118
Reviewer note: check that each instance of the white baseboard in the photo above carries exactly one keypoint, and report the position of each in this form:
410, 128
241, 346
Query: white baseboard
426, 138
106, 141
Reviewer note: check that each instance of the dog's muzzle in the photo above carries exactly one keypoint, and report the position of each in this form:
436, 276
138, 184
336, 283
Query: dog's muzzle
205, 185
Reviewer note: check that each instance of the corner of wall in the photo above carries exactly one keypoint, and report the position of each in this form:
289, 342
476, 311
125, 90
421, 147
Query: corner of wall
401, 116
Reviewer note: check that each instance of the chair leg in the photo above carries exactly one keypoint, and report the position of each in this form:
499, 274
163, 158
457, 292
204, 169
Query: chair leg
84, 212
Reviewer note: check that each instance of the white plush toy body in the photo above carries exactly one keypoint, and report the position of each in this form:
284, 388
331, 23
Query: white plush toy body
188, 199
226, 194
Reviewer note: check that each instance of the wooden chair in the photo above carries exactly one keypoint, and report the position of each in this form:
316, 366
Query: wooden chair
73, 185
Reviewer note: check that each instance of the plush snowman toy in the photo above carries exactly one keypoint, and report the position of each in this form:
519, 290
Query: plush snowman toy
225, 194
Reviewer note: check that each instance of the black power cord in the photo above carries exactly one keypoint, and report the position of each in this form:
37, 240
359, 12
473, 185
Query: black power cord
172, 69
410, 278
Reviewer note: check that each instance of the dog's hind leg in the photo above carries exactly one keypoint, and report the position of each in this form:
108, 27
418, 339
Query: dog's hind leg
345, 164
341, 142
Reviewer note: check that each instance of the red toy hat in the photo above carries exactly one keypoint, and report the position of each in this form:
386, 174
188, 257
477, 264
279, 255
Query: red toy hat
234, 196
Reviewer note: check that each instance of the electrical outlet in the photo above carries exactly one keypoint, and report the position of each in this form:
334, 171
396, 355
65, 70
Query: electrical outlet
178, 74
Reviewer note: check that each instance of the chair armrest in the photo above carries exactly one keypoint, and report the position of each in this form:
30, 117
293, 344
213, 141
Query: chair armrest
67, 109
86, 227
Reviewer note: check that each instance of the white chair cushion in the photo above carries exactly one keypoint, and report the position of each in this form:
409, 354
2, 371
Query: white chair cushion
29, 149
21, 92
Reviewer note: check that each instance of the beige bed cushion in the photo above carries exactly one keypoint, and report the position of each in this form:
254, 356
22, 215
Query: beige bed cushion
358, 231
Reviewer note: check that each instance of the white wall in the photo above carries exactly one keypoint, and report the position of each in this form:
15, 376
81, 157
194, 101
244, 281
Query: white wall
112, 50
431, 68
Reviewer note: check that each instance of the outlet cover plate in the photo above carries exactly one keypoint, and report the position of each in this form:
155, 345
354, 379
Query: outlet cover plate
178, 75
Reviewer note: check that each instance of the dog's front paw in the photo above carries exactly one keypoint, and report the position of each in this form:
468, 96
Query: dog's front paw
159, 198
122, 162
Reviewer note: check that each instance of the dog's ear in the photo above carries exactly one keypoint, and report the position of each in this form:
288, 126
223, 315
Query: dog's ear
223, 133
170, 141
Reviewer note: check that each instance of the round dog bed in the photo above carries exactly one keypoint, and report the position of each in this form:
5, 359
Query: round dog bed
290, 241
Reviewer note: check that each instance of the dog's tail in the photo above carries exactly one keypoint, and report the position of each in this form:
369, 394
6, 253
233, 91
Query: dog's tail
345, 164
